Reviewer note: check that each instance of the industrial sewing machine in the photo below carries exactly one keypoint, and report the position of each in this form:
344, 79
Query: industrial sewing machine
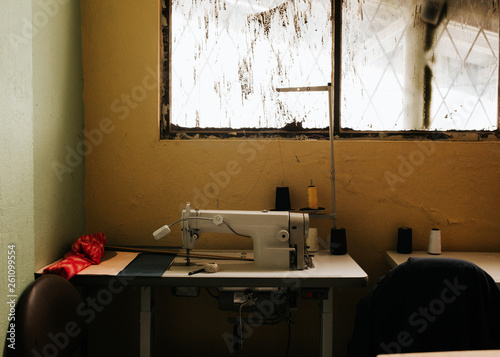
278, 236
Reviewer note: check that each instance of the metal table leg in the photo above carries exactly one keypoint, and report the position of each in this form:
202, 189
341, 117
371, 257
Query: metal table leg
326, 347
145, 321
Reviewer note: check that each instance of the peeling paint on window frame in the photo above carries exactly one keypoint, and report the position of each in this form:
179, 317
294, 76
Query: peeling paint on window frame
292, 131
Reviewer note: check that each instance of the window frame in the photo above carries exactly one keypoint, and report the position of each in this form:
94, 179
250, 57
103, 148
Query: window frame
169, 131
467, 135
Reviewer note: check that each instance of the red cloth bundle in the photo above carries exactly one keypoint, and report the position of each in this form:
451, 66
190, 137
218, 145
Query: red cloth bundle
87, 250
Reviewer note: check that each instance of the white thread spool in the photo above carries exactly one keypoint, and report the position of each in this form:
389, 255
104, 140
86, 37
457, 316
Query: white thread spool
434, 241
312, 240
211, 267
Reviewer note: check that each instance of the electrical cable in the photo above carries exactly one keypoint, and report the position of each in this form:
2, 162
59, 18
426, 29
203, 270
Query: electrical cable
185, 219
232, 230
210, 219
257, 180
281, 156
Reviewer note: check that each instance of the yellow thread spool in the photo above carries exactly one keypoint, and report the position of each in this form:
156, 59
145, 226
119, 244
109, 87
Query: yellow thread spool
312, 197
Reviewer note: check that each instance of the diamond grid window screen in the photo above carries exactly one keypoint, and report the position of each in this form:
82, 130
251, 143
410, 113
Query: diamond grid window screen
228, 57
419, 65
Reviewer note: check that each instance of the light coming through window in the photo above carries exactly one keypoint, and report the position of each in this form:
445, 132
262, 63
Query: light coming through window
419, 65
228, 57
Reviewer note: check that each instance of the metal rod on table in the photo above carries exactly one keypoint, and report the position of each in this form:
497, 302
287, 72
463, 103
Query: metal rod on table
179, 253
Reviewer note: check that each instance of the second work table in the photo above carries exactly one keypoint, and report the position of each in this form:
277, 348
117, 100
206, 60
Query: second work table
489, 262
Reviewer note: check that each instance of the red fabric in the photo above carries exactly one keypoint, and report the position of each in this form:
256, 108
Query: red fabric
87, 250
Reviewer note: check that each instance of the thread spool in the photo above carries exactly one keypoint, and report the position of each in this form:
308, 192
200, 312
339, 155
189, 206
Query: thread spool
338, 241
404, 240
211, 267
434, 241
282, 202
312, 240
312, 197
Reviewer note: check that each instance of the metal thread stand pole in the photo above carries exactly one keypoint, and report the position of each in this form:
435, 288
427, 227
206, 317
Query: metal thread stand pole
332, 156
326, 335
328, 88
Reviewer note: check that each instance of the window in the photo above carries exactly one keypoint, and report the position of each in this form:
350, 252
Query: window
400, 66
419, 65
225, 60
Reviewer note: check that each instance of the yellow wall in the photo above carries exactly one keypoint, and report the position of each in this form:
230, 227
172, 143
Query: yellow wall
136, 183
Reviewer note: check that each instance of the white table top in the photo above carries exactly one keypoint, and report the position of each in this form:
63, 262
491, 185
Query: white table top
489, 262
492, 353
329, 271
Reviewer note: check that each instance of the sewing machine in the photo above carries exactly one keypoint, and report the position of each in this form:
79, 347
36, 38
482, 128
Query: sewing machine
278, 236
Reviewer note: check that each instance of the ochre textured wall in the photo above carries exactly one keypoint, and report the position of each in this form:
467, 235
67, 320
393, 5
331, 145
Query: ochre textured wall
136, 183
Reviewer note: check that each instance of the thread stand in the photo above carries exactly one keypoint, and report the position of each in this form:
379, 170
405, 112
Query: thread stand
328, 88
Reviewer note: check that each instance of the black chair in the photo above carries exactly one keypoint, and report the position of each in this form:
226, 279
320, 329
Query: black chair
47, 319
425, 305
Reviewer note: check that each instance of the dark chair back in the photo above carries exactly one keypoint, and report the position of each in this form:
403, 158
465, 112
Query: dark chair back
47, 319
428, 304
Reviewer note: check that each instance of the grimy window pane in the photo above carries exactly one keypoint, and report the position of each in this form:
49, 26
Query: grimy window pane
229, 56
420, 65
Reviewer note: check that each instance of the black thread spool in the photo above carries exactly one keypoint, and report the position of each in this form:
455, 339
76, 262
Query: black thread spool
404, 240
338, 241
282, 202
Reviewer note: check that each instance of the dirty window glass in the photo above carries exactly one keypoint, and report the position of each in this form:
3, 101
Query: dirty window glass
228, 57
419, 65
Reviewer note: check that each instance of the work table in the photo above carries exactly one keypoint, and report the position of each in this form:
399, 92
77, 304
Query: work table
330, 271
488, 261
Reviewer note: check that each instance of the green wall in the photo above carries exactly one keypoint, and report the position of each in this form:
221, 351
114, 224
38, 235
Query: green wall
41, 88
16, 153
58, 130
